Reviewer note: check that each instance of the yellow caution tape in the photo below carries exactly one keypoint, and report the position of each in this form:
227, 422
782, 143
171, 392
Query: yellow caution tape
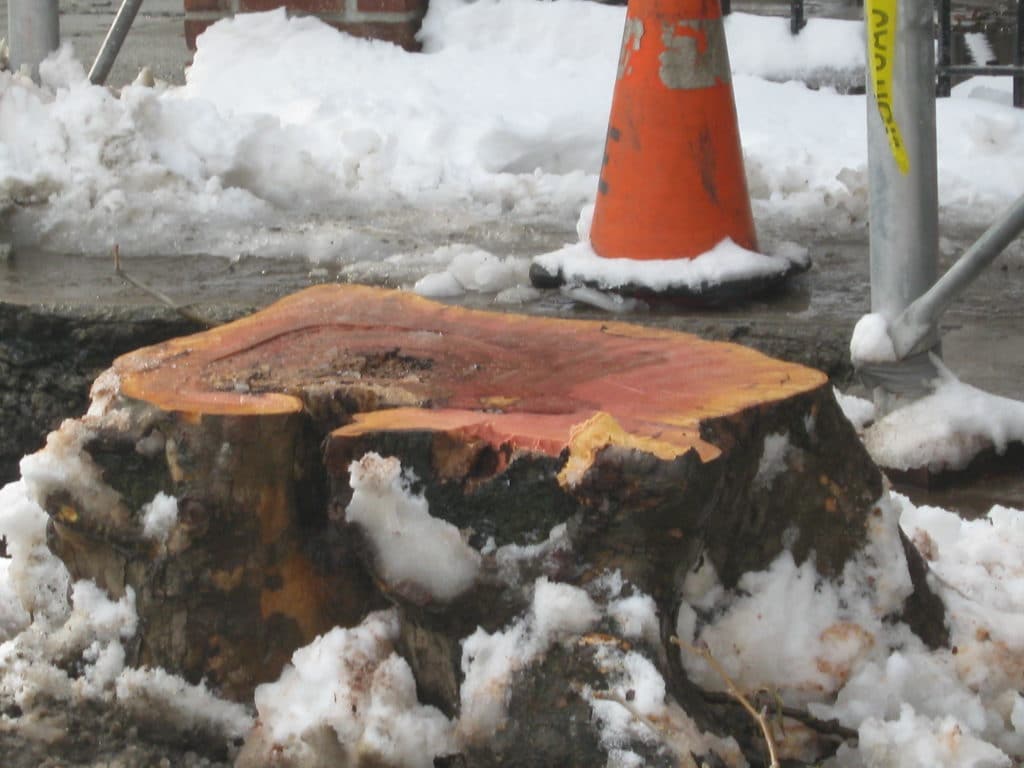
881, 16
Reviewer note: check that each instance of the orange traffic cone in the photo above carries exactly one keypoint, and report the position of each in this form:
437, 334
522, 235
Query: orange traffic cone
672, 185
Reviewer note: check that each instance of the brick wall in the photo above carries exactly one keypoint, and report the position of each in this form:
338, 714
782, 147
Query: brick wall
396, 21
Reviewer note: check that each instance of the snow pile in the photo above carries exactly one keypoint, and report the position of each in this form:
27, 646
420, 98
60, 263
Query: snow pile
832, 647
942, 431
979, 572
347, 696
260, 154
946, 429
826, 52
635, 707
153, 695
471, 269
858, 411
753, 634
578, 265
961, 706
726, 263
413, 550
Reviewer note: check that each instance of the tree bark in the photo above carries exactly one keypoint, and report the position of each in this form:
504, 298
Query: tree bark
653, 448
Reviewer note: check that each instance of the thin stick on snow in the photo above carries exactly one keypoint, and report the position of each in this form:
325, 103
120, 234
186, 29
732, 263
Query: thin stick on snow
736, 693
163, 298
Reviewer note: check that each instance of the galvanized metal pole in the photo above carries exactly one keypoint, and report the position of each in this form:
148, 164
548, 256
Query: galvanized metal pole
115, 39
1018, 57
903, 193
796, 16
33, 30
943, 46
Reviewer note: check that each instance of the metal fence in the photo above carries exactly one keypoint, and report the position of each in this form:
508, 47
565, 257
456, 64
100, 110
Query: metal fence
945, 70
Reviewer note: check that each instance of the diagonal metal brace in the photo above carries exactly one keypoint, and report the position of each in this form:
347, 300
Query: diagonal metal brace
114, 40
916, 325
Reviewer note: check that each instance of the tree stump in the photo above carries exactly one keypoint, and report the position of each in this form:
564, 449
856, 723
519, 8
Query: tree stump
653, 448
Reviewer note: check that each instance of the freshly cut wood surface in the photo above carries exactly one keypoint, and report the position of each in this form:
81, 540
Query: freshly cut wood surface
414, 364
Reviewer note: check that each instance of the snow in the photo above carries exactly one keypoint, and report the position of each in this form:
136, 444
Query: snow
159, 516
942, 431
833, 648
412, 548
725, 263
352, 683
454, 140
489, 659
858, 411
170, 699
636, 617
773, 460
907, 743
870, 342
826, 50
471, 269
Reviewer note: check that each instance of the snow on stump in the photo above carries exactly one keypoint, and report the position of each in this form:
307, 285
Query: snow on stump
352, 447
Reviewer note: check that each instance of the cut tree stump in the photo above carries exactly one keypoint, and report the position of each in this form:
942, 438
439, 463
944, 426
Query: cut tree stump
655, 449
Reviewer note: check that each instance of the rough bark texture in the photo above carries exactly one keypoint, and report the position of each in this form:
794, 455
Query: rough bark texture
239, 583
652, 448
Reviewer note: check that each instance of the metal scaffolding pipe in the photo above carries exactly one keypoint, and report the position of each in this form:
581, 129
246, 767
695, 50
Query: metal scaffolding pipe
903, 188
112, 43
1018, 57
919, 320
943, 47
33, 29
903, 195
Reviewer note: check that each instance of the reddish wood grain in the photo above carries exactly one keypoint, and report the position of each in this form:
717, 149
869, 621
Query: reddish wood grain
532, 382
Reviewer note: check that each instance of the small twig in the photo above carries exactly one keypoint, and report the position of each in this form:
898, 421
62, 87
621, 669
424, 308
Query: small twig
161, 297
658, 728
737, 694
823, 727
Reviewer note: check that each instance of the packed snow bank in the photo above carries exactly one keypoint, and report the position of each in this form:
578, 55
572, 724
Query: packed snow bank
827, 52
726, 263
498, 126
942, 431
